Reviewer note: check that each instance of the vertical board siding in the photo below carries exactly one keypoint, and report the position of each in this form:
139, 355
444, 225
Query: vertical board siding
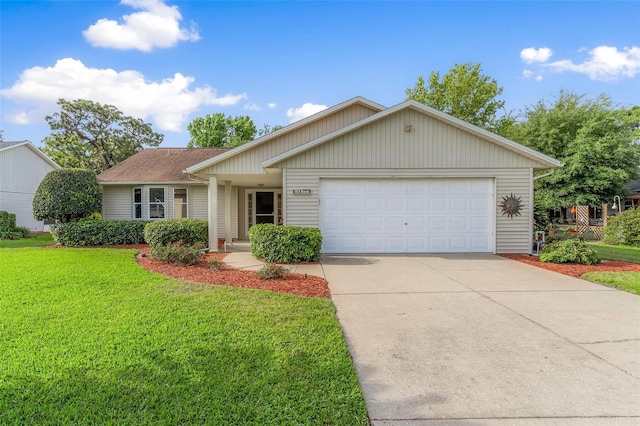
21, 171
512, 235
249, 162
431, 143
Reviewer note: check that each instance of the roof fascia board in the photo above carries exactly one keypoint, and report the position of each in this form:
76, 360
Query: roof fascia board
484, 134
135, 182
36, 151
291, 127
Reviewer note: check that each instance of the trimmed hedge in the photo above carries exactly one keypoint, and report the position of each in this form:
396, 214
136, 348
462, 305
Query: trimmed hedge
569, 251
285, 244
168, 231
98, 232
8, 228
67, 195
179, 253
624, 228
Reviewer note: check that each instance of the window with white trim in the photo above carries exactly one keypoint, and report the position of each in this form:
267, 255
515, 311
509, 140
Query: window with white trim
180, 210
137, 203
156, 203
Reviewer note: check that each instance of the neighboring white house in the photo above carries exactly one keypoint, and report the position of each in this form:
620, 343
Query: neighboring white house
405, 179
22, 168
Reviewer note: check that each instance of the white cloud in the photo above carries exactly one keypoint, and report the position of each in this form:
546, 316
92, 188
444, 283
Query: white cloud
157, 25
271, 105
252, 107
304, 111
605, 63
527, 74
531, 54
167, 102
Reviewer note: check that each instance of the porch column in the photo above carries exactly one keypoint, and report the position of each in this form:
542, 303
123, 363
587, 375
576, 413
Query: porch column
213, 213
228, 231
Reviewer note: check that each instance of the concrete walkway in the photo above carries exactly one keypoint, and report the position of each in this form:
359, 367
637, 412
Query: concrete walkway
482, 340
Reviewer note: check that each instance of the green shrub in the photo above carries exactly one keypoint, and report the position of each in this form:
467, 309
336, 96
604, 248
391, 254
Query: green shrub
285, 244
190, 231
216, 265
8, 228
98, 232
569, 251
562, 236
179, 253
67, 195
624, 228
271, 272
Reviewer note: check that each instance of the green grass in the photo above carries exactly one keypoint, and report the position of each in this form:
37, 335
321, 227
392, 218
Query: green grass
624, 253
627, 281
89, 337
39, 240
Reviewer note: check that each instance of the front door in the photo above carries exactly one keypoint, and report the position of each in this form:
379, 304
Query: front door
265, 211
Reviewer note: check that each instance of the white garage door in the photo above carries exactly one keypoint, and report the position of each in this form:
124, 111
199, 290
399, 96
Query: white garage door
406, 215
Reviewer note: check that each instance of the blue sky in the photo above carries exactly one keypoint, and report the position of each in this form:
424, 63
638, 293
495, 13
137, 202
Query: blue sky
169, 62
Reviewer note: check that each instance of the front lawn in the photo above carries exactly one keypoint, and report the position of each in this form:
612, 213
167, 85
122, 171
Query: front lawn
624, 253
627, 281
89, 337
39, 240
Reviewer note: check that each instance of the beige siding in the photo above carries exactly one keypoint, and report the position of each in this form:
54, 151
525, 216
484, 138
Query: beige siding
117, 203
249, 162
21, 171
430, 144
513, 235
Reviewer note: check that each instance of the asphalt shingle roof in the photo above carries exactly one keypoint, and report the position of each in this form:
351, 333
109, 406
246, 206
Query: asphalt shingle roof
158, 165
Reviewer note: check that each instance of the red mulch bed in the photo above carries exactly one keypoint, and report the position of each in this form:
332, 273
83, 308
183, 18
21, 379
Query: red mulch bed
573, 269
298, 284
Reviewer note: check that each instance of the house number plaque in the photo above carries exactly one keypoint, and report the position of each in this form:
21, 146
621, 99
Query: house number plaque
301, 192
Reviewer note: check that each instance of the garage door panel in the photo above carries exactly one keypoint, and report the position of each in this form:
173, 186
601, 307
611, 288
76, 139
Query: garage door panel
406, 215
436, 223
394, 225
372, 224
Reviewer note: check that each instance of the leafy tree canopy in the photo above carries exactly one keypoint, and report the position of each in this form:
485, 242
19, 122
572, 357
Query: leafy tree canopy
93, 136
66, 195
595, 142
218, 130
463, 92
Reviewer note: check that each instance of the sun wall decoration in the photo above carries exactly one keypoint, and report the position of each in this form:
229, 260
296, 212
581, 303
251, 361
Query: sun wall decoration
511, 205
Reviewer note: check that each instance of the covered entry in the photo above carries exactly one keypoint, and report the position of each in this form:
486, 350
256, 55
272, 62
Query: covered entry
407, 215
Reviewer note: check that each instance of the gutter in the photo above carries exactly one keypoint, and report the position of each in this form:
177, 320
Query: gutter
535, 178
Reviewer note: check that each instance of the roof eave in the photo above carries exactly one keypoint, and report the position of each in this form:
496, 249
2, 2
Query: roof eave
549, 162
36, 151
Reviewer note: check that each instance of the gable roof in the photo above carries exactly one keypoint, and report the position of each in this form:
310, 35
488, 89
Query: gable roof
482, 133
5, 146
287, 129
157, 165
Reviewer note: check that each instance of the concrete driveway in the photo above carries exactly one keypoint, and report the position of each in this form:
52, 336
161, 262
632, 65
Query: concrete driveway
483, 340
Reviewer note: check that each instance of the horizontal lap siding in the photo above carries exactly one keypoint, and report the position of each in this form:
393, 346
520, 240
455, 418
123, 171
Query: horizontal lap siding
513, 235
118, 203
21, 171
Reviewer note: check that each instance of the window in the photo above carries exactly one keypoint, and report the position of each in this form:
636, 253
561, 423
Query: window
156, 203
137, 203
180, 203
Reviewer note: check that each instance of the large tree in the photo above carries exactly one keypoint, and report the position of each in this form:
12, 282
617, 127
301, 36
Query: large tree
93, 136
594, 140
218, 130
463, 92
